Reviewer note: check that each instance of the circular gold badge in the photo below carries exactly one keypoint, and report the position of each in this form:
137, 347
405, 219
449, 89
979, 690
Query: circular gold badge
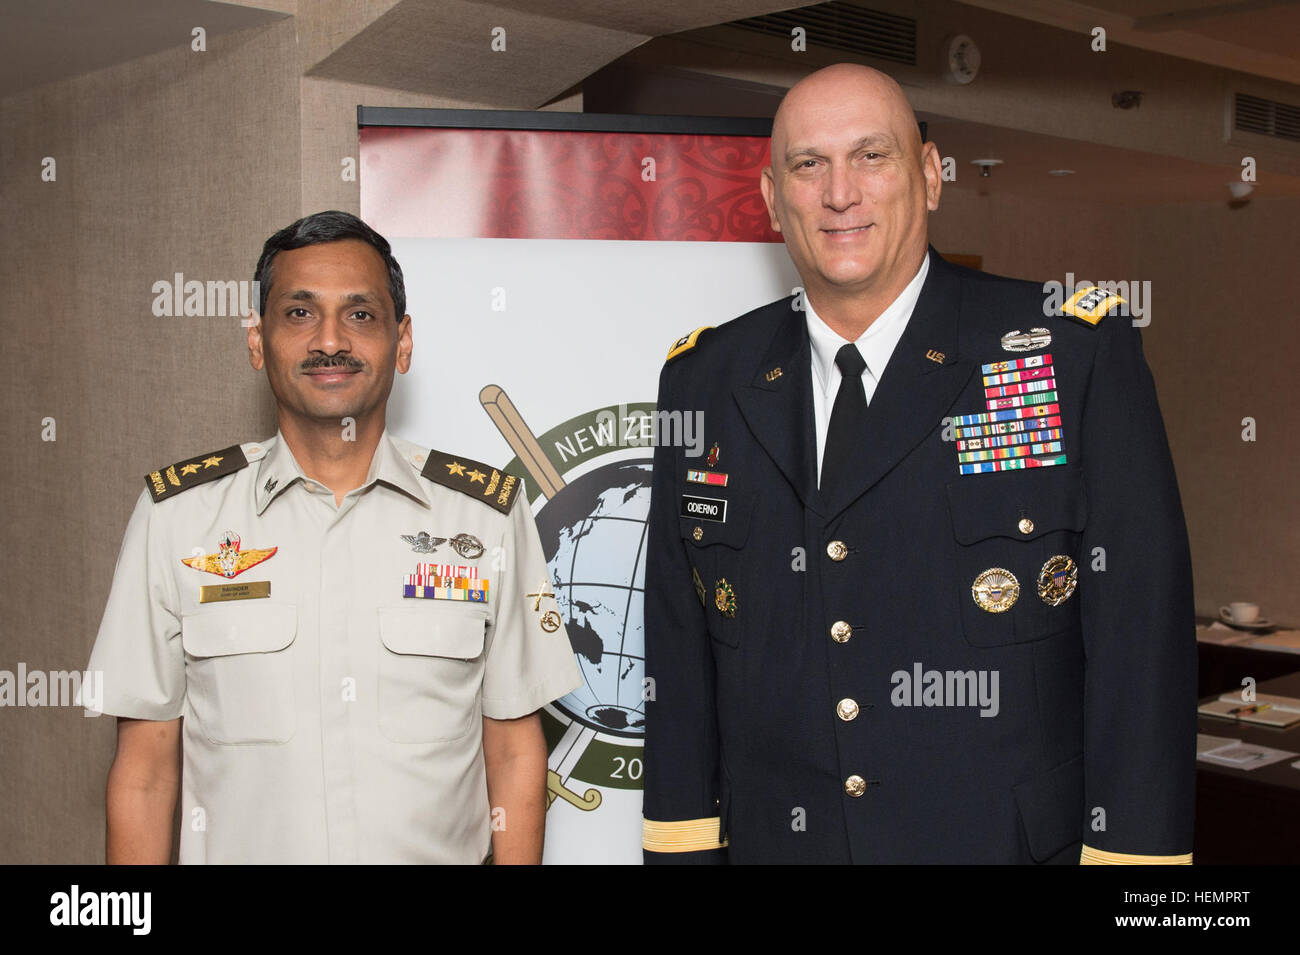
995, 590
550, 621
1057, 580
724, 598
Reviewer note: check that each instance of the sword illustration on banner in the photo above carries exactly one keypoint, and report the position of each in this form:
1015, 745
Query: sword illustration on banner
528, 449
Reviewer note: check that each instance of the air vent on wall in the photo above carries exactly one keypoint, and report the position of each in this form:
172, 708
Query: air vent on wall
844, 26
1254, 114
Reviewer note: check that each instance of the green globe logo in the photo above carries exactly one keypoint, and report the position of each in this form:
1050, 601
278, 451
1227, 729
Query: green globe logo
593, 533
594, 536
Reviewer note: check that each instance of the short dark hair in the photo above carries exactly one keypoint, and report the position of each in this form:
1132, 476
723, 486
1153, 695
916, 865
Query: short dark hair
331, 226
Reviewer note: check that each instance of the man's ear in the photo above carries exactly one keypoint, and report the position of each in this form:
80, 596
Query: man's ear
932, 166
767, 185
404, 344
255, 357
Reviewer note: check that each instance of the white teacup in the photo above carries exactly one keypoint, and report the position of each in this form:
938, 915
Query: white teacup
1240, 612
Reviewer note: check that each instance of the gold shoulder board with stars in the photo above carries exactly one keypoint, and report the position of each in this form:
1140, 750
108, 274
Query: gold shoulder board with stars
1091, 304
192, 472
686, 343
484, 482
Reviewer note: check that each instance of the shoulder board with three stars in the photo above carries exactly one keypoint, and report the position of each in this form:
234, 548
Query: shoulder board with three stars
480, 481
1090, 304
686, 343
192, 472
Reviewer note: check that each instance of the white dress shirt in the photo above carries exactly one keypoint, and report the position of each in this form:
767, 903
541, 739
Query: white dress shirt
876, 345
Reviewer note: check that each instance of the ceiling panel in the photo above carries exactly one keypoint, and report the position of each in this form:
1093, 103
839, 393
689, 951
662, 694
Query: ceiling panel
45, 40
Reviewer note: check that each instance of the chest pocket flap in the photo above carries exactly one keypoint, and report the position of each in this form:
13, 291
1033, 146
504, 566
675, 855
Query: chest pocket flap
440, 629
995, 505
244, 627
1015, 521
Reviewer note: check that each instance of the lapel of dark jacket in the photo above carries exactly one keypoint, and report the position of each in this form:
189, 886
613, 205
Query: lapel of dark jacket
923, 378
777, 405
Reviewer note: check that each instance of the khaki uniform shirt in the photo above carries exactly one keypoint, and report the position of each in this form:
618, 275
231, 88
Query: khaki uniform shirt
335, 720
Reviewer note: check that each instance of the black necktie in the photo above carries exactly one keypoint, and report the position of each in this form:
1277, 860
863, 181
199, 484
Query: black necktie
848, 421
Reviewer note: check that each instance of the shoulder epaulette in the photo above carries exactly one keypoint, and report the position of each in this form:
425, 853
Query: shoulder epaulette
192, 472
480, 481
1091, 304
686, 343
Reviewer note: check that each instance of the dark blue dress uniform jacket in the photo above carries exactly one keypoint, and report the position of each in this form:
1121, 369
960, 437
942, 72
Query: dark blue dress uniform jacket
1092, 747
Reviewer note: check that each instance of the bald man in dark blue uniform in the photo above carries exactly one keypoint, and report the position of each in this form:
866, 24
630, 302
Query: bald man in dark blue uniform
928, 596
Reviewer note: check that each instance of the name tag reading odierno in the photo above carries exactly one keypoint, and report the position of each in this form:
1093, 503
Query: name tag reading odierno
215, 592
704, 508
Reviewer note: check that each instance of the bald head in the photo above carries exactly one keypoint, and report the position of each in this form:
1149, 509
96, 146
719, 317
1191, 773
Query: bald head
849, 188
823, 100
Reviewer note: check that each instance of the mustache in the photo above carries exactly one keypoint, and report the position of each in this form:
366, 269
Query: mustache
332, 361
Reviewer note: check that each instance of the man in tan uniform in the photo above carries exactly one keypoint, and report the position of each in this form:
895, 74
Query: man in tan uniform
349, 625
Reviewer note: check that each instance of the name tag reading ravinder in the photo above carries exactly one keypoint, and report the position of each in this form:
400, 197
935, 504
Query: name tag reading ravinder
215, 592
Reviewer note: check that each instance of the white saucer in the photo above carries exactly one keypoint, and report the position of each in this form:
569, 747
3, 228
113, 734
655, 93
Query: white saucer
1259, 623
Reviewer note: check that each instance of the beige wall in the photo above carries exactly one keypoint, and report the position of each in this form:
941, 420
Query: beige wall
176, 162
186, 162
1222, 343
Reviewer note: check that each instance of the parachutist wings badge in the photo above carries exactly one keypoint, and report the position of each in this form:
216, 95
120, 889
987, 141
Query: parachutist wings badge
229, 561
422, 543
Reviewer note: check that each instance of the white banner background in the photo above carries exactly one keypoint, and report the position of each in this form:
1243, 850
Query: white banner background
585, 324
569, 323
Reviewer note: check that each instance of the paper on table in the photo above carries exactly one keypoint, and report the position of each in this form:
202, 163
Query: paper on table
1205, 742
1263, 714
1218, 633
1288, 704
1288, 641
1244, 756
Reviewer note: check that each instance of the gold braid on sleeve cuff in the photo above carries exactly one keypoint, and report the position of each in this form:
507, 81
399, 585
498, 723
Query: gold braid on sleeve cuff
1091, 856
686, 835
